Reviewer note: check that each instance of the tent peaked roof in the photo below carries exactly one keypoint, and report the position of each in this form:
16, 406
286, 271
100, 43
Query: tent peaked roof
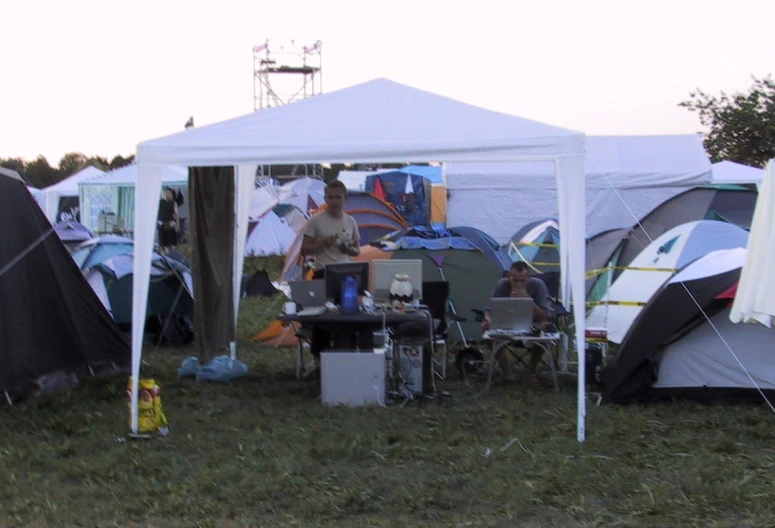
379, 120
731, 172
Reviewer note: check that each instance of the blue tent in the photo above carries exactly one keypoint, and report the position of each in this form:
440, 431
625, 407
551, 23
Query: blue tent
409, 190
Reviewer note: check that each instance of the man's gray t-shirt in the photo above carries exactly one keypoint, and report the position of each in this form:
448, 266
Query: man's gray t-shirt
536, 288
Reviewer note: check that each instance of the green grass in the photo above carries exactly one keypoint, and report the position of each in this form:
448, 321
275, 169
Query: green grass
263, 451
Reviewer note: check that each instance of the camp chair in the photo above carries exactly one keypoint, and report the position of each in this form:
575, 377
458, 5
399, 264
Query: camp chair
436, 298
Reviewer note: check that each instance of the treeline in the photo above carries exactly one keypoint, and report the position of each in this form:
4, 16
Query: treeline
39, 173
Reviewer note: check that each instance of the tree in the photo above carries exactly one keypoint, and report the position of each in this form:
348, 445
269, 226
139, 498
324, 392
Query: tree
40, 174
120, 161
72, 162
741, 127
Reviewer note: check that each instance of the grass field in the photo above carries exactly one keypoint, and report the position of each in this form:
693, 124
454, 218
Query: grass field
263, 451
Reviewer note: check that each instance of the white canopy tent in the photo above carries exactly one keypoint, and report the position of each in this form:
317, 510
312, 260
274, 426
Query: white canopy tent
729, 172
114, 191
377, 121
626, 178
754, 300
66, 188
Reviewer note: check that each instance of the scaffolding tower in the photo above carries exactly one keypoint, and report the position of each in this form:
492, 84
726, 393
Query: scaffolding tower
285, 72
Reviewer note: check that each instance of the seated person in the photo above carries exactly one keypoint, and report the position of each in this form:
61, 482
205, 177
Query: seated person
519, 283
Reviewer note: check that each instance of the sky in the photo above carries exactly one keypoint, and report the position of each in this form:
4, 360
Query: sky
98, 77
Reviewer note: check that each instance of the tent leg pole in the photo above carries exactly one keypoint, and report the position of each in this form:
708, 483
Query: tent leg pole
8, 398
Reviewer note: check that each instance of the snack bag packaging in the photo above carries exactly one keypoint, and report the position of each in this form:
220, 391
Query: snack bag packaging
150, 413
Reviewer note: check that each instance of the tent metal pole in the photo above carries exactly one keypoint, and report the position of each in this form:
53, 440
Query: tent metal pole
8, 398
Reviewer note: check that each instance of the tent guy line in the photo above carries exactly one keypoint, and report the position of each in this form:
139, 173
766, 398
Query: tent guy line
21, 255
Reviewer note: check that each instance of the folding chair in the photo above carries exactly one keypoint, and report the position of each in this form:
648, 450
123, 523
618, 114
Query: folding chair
436, 298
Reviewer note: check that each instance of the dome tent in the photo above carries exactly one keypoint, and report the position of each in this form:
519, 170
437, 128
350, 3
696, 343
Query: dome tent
471, 262
656, 264
51, 320
674, 351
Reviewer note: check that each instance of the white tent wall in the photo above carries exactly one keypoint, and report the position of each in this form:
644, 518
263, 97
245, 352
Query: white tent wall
378, 121
626, 178
754, 301
729, 172
66, 188
115, 191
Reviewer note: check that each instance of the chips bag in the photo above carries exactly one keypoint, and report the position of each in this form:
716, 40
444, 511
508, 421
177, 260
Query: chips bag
150, 414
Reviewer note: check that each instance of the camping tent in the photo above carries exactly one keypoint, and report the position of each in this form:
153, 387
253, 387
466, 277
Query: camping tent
683, 344
754, 301
306, 194
96, 250
471, 262
63, 196
51, 319
72, 233
170, 299
538, 245
728, 203
378, 121
114, 192
626, 177
271, 235
602, 251
662, 258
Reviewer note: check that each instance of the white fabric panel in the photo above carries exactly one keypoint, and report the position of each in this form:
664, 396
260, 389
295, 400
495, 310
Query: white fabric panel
377, 121
735, 173
244, 178
754, 300
97, 283
146, 199
702, 359
510, 203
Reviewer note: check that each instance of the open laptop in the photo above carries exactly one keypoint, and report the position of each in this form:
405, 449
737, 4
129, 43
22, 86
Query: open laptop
511, 315
309, 293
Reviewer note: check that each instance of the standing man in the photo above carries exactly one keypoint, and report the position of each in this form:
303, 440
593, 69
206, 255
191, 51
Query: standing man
519, 283
168, 221
332, 237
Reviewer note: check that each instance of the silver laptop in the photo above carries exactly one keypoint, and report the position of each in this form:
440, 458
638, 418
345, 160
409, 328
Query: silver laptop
512, 315
309, 293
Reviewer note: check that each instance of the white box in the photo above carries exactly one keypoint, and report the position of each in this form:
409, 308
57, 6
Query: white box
353, 378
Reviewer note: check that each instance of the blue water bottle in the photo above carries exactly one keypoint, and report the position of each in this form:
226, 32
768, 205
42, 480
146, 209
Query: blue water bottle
349, 296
